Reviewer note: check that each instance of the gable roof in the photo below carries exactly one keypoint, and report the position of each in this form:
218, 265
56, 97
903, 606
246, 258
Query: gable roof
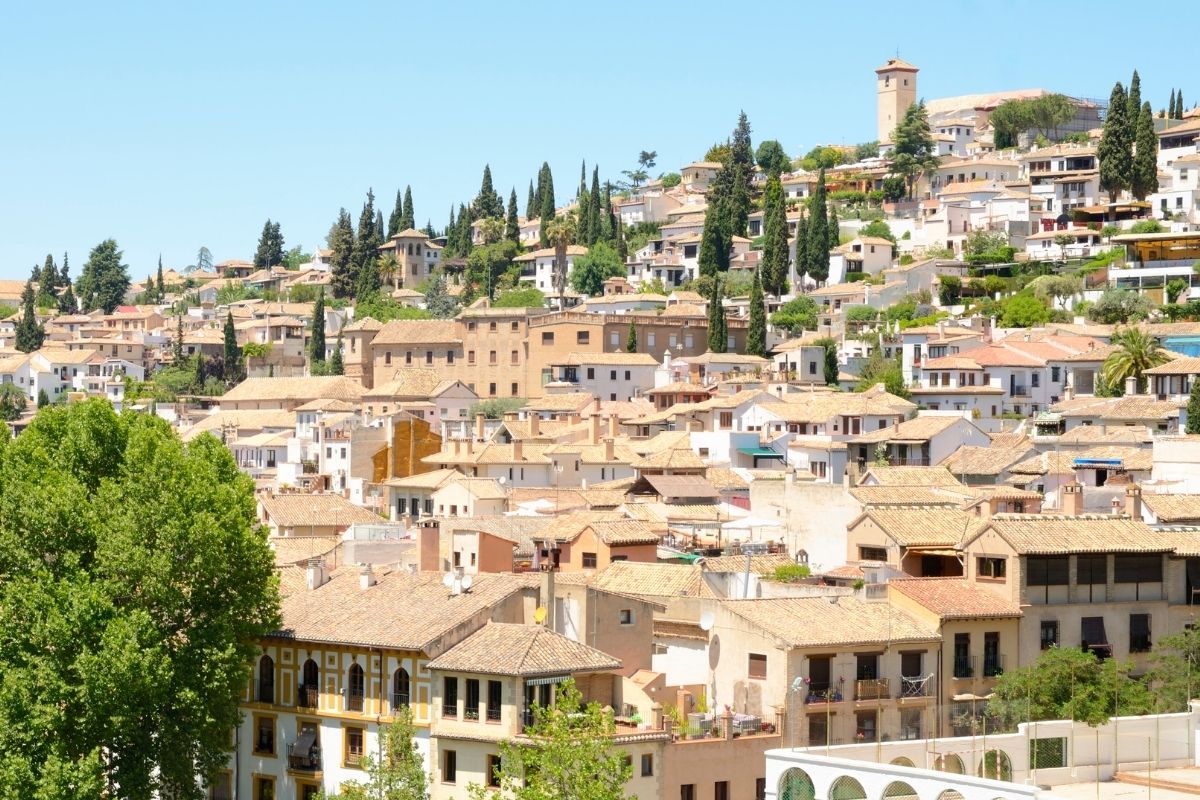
419, 331
1053, 534
333, 387
1169, 508
955, 598
818, 622
922, 526
910, 476
298, 510
523, 650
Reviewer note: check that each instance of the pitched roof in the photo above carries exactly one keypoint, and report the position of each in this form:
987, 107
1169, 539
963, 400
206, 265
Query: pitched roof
923, 526
526, 650
759, 564
649, 580
419, 331
1170, 508
955, 598
612, 359
309, 388
675, 458
415, 382
682, 486
402, 610
990, 460
551, 403
918, 429
1047, 534
818, 622
911, 476
299, 510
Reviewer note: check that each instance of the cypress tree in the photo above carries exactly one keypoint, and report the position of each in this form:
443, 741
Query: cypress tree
66, 272
775, 238
270, 246
1193, 409
546, 193
531, 205
380, 230
595, 209
1116, 165
714, 252
316, 343
1179, 104
756, 334
177, 345
622, 245
29, 333
336, 367
43, 399
1144, 178
608, 217
160, 287
718, 337
232, 363
741, 160
429, 231
395, 224
199, 374
584, 213
409, 218
47, 281
1171, 106
512, 227
343, 271
1133, 101
801, 259
631, 338
817, 246
487, 204
66, 300
582, 178
835, 229
369, 280
366, 243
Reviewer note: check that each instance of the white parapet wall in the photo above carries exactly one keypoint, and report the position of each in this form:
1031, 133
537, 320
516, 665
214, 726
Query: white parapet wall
992, 767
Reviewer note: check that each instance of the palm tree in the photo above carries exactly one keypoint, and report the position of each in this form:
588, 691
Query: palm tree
389, 270
491, 229
560, 232
1137, 352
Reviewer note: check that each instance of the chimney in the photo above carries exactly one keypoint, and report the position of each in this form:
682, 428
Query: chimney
366, 578
546, 595
518, 450
316, 573
595, 430
1117, 506
535, 425
596, 404
609, 450
1131, 385
479, 427
1072, 499
430, 556
1133, 501
458, 447
614, 426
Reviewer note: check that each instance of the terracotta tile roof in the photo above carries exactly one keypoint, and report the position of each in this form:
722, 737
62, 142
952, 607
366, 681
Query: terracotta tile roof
1062, 462
725, 479
364, 324
907, 496
419, 331
299, 549
298, 510
679, 629
682, 486
481, 488
923, 526
402, 610
1169, 508
918, 429
310, 388
955, 598
612, 359
1141, 407
1105, 434
817, 622
410, 382
910, 476
247, 421
560, 403
677, 458
650, 580
991, 460
1037, 534
434, 479
684, 310
680, 387
525, 650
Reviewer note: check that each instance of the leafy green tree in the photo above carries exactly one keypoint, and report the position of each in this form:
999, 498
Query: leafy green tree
1053, 289
949, 289
487, 203
567, 753
671, 179
104, 280
775, 242
336, 367
343, 271
1175, 288
1175, 662
486, 264
382, 308
592, 269
1193, 409
12, 406
913, 151
29, 332
396, 218
47, 282
43, 399
885, 371
1119, 306
866, 150
894, 188
133, 598
631, 338
818, 244
177, 342
831, 360
438, 300
772, 158
879, 229
366, 245
524, 296
232, 363
270, 246
316, 342
512, 225
718, 336
560, 232
1023, 311
1144, 169
1137, 351
1116, 140
797, 314
756, 333
495, 407
822, 157
399, 774
1067, 683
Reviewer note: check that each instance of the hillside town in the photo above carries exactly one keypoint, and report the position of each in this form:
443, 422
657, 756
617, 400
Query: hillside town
783, 461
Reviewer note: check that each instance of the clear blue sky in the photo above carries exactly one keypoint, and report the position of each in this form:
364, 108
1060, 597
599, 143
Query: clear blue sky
168, 126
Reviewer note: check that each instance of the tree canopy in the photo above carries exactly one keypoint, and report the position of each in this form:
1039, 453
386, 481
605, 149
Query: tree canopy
593, 268
797, 314
135, 582
104, 280
270, 246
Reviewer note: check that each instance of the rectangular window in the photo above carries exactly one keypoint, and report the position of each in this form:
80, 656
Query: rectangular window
428, 356
1139, 633
589, 560
612, 374
450, 697
625, 616
515, 390
647, 765
515, 358
354, 746
1049, 635
962, 655
1138, 569
591, 373
491, 390
471, 710
991, 567
492, 357
493, 701
818, 729
470, 356
1046, 570
992, 665
264, 736
449, 766
387, 357
449, 356
408, 357
1055, 374
721, 790
582, 337
493, 771
687, 791
547, 337
264, 788
872, 553
758, 666
1091, 569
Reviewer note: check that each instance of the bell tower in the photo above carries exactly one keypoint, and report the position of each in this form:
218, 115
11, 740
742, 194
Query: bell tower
896, 89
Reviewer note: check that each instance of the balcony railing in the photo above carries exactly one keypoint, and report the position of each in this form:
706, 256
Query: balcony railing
354, 702
871, 689
964, 667
353, 759
493, 714
1018, 391
993, 665
307, 697
824, 693
399, 699
915, 687
304, 759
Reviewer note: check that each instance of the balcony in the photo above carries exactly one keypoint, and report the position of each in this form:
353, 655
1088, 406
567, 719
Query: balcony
964, 667
307, 697
823, 693
399, 699
1018, 391
871, 689
918, 686
354, 702
993, 665
304, 756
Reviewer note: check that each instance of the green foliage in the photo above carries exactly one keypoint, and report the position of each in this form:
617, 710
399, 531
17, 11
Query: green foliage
256, 349
987, 247
487, 263
1023, 310
1137, 351
104, 280
1120, 306
1193, 409
1174, 663
861, 314
756, 332
816, 248
1067, 683
316, 340
1175, 288
1052, 288
949, 289
495, 407
270, 246
631, 338
12, 406
718, 336
1144, 168
866, 150
383, 308
438, 300
878, 228
797, 314
133, 598
831, 360
772, 158
524, 296
718, 153
791, 573
342, 268
822, 157
29, 332
570, 754
592, 269
43, 399
1115, 150
775, 240
336, 366
671, 179
639, 233
1147, 226
885, 371
913, 150
1044, 115
232, 362
894, 188
399, 774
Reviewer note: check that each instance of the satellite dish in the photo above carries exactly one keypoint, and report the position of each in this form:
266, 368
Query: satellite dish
706, 621
448, 580
466, 582
539, 615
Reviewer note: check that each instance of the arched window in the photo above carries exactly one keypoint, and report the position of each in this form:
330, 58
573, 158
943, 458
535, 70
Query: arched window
847, 788
266, 679
796, 785
949, 763
400, 688
903, 761
996, 765
355, 689
310, 681
950, 794
899, 790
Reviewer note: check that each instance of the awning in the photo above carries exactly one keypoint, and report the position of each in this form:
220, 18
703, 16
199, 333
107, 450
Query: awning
760, 452
546, 681
935, 552
305, 741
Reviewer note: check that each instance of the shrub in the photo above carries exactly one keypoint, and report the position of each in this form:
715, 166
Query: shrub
791, 573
